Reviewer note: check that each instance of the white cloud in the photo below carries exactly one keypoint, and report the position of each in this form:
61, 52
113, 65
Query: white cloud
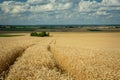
34, 6
38, 1
17, 9
63, 6
40, 8
60, 9
101, 13
88, 6
13, 7
5, 6
111, 2
107, 5
99, 8
107, 8
48, 5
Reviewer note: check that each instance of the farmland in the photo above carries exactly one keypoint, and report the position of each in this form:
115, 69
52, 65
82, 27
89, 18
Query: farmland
62, 56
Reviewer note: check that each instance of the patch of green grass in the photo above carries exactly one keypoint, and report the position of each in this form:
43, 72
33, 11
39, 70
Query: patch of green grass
8, 35
94, 30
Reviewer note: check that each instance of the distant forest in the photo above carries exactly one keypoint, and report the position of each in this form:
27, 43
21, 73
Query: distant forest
57, 27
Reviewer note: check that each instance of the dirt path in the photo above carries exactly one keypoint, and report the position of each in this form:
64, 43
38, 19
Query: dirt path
36, 59
13, 59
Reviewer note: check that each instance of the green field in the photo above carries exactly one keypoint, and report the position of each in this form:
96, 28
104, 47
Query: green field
8, 35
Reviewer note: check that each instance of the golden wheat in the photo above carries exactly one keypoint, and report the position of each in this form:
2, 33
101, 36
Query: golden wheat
11, 48
88, 63
36, 63
89, 56
65, 56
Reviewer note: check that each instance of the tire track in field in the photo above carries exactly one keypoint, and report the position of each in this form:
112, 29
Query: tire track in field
39, 58
58, 66
12, 60
46, 49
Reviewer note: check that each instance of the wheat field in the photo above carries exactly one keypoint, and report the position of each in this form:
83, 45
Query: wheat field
64, 56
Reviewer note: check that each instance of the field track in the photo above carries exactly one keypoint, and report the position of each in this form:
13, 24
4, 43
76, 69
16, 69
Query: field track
65, 56
41, 61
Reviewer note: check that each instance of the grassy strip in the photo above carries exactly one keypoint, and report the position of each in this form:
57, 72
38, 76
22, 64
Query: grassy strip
94, 30
7, 35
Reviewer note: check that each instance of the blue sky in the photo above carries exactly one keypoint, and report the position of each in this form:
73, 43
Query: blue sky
39, 12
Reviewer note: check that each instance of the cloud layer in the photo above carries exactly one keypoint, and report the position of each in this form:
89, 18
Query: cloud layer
60, 12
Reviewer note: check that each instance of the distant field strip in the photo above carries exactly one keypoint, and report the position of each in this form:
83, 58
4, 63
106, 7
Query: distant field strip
6, 35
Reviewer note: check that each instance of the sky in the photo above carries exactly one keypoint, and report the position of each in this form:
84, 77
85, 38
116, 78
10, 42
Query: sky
59, 12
